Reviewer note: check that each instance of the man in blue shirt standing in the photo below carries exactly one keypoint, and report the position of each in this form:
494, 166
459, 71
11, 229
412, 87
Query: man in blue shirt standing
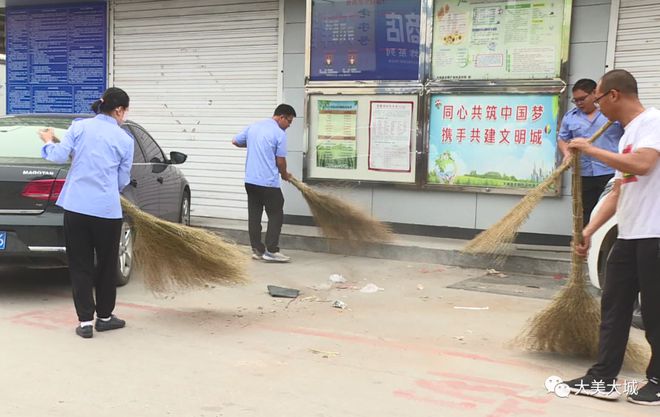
265, 164
582, 122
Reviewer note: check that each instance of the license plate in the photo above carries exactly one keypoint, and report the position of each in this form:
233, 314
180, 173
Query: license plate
3, 240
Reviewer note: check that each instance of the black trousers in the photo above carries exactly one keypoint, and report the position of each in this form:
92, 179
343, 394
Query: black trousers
86, 236
272, 200
633, 268
592, 188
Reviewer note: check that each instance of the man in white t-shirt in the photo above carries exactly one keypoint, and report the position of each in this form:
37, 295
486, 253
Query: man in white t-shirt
633, 266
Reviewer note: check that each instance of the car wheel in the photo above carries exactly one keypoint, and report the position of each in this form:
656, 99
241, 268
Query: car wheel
125, 265
605, 251
184, 217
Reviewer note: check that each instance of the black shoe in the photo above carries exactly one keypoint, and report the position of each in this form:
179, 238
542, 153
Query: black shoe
595, 386
649, 394
112, 324
86, 332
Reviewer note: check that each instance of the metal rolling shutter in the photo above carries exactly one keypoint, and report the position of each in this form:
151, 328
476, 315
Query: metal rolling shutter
637, 46
197, 72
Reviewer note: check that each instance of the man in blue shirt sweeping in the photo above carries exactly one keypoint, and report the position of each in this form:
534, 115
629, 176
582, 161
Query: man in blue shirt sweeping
582, 122
265, 164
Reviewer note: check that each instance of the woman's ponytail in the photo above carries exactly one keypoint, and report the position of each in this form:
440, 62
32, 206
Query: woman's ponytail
112, 98
96, 106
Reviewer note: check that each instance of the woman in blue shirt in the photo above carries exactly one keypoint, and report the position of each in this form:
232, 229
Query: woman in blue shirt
101, 155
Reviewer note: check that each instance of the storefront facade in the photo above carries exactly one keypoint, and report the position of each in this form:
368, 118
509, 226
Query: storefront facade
198, 71
443, 210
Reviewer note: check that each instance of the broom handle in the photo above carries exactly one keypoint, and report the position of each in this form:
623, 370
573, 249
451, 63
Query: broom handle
578, 207
577, 261
578, 212
600, 131
567, 164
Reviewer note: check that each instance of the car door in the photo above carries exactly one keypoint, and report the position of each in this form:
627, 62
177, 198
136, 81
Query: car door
144, 187
169, 188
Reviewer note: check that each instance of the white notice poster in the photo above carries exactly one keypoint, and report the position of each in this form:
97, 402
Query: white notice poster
390, 135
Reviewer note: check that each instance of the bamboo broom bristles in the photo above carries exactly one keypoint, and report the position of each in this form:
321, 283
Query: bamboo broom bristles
497, 239
173, 256
570, 324
340, 220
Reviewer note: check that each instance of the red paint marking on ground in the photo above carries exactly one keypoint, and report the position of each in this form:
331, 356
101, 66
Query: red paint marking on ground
509, 407
481, 380
397, 345
408, 395
491, 394
150, 308
63, 317
143, 307
440, 387
26, 322
464, 386
46, 319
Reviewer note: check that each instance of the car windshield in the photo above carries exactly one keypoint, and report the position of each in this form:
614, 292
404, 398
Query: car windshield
19, 136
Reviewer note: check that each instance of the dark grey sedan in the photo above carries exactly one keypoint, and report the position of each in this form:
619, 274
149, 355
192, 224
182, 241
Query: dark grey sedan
31, 225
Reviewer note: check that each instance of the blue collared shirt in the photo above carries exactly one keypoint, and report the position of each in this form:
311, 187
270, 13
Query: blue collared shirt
576, 124
102, 155
265, 141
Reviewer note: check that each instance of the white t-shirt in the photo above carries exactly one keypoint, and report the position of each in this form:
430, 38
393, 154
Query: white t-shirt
638, 209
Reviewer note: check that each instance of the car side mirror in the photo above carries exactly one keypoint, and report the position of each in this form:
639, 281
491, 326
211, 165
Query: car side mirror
178, 157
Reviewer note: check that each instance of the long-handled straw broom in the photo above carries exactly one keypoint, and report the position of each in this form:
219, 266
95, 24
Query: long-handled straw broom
340, 220
173, 256
570, 323
497, 238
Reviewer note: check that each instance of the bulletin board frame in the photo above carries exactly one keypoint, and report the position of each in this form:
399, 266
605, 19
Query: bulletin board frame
424, 88
339, 82
563, 53
317, 136
59, 68
475, 89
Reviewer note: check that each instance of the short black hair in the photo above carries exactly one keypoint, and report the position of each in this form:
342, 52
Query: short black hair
620, 80
585, 84
284, 110
112, 98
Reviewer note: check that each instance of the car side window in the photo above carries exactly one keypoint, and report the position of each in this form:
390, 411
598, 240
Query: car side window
138, 155
152, 151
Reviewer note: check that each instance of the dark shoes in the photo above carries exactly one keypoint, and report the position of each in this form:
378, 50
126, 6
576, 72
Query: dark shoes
112, 324
594, 386
86, 332
649, 394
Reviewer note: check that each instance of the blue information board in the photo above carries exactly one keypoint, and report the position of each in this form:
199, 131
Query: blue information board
56, 57
365, 40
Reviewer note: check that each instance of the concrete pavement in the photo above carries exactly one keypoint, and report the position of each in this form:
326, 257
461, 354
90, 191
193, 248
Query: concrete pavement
414, 348
528, 259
